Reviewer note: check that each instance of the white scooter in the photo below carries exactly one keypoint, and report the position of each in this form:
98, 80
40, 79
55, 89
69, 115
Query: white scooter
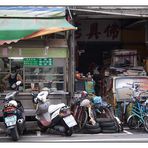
57, 117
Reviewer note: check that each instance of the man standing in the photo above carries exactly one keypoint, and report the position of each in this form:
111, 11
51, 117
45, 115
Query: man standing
12, 78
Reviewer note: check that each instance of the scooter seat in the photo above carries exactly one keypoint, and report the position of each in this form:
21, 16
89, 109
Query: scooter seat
53, 108
11, 95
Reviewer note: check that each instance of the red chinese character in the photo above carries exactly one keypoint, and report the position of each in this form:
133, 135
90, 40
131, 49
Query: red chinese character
93, 31
112, 31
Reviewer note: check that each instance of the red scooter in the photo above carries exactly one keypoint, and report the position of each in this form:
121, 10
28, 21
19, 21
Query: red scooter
13, 114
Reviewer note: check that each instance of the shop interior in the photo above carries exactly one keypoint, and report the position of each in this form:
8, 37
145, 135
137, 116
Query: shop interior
38, 72
94, 52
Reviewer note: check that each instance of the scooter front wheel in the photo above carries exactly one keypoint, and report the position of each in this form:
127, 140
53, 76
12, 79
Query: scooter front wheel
69, 132
14, 134
42, 128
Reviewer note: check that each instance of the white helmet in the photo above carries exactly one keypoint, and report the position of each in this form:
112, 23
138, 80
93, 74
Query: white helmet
42, 96
85, 103
13, 103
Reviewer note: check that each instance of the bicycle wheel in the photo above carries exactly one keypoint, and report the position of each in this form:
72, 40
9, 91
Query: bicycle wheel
133, 122
146, 123
83, 118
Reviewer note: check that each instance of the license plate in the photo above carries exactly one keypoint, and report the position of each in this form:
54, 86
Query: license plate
70, 121
11, 120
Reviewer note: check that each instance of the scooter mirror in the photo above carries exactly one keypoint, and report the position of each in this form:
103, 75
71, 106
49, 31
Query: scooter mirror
18, 83
35, 100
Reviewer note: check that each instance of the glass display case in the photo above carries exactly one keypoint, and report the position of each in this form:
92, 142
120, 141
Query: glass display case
44, 75
45, 72
124, 58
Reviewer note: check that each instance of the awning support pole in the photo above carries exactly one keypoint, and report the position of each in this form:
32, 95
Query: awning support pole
71, 77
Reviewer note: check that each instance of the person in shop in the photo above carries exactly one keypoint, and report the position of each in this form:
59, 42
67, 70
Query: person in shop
97, 78
12, 78
79, 81
89, 84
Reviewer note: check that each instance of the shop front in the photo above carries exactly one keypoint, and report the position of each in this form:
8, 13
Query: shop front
38, 49
37, 66
111, 43
102, 30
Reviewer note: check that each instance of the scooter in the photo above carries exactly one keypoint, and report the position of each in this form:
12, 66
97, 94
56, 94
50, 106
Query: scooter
53, 117
13, 114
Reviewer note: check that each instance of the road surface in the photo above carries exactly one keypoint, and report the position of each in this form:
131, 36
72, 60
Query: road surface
37, 137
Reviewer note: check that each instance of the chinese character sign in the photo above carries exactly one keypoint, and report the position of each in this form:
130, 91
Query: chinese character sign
100, 30
93, 31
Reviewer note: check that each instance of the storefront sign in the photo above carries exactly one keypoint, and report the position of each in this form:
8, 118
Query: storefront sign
98, 30
38, 61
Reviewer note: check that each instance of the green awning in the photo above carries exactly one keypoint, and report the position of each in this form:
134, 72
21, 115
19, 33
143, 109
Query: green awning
14, 29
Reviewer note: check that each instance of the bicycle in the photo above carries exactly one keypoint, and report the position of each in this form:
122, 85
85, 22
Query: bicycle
82, 112
139, 116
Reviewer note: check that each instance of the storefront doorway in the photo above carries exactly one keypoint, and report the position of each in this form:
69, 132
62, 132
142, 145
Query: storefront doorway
94, 52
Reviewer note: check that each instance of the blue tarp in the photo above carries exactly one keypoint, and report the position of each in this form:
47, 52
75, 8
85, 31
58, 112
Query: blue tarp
32, 11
